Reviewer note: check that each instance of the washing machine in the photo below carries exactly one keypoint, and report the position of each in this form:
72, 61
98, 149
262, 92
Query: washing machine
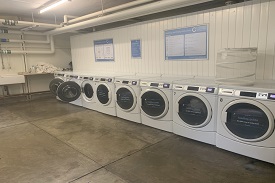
59, 78
104, 85
245, 122
127, 96
88, 92
195, 109
156, 102
70, 90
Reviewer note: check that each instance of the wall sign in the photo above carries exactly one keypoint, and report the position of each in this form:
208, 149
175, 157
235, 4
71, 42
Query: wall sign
189, 43
136, 48
104, 50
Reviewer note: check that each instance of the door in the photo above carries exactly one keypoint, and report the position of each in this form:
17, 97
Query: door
54, 84
154, 103
126, 98
194, 110
69, 91
248, 120
87, 90
103, 94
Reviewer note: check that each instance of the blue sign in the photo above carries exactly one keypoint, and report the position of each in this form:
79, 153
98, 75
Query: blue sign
104, 50
136, 48
190, 43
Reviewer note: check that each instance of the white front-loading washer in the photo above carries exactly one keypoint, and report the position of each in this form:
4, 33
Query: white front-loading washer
105, 93
156, 102
59, 78
195, 109
127, 96
70, 90
88, 92
245, 122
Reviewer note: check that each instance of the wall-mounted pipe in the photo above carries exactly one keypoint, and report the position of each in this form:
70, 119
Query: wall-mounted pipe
66, 17
3, 40
51, 51
109, 10
6, 31
14, 23
151, 8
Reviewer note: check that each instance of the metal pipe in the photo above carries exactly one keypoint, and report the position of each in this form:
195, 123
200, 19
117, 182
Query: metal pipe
3, 40
6, 31
109, 10
51, 51
68, 16
14, 23
151, 8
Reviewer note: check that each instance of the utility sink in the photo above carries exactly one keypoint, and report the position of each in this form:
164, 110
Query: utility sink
9, 79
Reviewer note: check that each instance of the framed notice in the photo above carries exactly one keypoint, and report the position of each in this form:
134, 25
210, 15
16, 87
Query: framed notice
189, 43
104, 50
136, 48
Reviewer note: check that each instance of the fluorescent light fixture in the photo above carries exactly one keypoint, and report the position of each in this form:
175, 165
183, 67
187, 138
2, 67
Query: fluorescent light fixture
57, 3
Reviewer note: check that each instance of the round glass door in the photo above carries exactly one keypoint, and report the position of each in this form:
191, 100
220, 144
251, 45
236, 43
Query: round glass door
194, 110
103, 94
154, 103
248, 120
88, 91
54, 84
126, 99
69, 91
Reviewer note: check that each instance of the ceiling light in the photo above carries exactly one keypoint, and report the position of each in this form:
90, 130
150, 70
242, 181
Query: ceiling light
57, 3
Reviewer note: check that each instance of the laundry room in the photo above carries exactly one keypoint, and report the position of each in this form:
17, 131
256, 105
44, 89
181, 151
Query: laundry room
137, 91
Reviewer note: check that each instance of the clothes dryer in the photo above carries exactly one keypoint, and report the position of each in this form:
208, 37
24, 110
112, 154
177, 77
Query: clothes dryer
195, 109
245, 122
127, 96
156, 102
70, 90
59, 78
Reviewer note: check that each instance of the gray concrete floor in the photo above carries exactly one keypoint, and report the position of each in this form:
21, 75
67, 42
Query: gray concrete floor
47, 141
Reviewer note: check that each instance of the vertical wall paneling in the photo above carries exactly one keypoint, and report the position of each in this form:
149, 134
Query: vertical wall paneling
246, 32
247, 24
262, 39
269, 53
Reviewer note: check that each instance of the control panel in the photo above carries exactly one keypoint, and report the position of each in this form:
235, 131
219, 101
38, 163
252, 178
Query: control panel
86, 78
101, 79
72, 76
247, 94
127, 82
201, 89
59, 75
156, 85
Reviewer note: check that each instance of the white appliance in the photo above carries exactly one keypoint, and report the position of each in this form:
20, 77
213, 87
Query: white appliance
127, 96
156, 102
245, 122
70, 90
195, 109
105, 93
88, 92
59, 78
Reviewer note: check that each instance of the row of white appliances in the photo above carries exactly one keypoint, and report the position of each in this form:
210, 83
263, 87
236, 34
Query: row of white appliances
238, 119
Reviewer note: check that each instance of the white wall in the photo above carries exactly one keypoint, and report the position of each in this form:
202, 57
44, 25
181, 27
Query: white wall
15, 63
250, 24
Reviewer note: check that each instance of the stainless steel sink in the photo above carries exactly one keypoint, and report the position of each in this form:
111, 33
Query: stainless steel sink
8, 79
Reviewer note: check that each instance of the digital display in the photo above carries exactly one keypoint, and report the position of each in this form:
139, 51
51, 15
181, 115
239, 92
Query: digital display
193, 88
60, 74
210, 90
166, 85
125, 82
102, 79
248, 94
154, 84
271, 96
86, 78
134, 83
73, 76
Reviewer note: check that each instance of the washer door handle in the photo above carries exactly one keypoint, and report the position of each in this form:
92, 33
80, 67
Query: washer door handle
224, 117
178, 108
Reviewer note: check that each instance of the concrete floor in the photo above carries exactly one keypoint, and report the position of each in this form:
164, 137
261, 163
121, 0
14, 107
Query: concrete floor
47, 141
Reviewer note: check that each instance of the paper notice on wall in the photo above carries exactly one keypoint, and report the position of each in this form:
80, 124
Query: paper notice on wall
104, 50
187, 43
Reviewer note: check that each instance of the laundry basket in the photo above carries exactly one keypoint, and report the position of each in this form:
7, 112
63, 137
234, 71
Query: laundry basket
236, 66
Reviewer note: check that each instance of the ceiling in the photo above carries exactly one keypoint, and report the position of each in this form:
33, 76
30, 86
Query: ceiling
25, 8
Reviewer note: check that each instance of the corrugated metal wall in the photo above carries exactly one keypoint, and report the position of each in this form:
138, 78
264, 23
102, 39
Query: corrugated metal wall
250, 24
